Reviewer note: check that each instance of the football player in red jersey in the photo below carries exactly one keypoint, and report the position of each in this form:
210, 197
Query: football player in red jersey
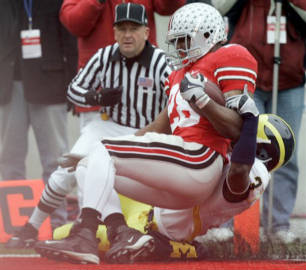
178, 161
175, 231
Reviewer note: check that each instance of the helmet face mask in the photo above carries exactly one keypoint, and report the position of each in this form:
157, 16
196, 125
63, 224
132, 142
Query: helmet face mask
181, 56
275, 141
177, 56
201, 26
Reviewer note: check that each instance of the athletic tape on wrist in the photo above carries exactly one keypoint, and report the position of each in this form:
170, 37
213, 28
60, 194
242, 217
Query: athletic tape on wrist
234, 192
202, 101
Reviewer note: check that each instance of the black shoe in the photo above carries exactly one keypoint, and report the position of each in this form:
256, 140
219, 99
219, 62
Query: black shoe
25, 237
129, 245
80, 247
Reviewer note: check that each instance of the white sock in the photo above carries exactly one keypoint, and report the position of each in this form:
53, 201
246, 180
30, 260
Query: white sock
38, 217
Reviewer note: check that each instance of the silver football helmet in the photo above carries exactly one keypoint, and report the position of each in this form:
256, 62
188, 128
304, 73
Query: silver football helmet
201, 26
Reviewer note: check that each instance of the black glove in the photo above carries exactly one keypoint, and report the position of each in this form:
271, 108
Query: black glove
105, 97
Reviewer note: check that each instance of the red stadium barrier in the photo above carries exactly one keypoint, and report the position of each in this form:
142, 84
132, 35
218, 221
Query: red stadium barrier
18, 199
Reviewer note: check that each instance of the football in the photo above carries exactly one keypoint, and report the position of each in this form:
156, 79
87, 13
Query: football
214, 92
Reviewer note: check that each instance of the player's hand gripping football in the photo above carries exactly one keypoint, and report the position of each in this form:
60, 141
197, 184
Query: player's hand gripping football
243, 104
193, 89
105, 97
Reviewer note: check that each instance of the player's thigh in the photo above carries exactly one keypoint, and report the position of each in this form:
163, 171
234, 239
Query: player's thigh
167, 163
152, 196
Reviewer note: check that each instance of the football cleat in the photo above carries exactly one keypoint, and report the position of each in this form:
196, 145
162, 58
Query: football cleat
80, 247
25, 237
129, 246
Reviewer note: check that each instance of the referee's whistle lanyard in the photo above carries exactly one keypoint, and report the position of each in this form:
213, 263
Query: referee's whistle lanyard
28, 8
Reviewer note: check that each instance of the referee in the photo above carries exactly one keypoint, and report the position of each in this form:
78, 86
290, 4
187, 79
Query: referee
132, 65
127, 79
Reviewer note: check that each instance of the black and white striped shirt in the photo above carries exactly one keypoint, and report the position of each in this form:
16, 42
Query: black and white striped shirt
142, 78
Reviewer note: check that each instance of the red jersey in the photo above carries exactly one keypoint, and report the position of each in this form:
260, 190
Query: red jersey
230, 67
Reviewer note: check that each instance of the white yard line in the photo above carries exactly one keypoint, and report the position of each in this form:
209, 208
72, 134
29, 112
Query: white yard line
19, 256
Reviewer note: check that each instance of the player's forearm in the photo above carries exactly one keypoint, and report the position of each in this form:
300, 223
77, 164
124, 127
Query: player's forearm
227, 122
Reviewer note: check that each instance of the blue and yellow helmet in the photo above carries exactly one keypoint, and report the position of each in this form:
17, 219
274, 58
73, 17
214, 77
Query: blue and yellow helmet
275, 141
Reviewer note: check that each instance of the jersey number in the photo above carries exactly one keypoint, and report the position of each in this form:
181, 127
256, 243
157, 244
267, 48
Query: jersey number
179, 111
